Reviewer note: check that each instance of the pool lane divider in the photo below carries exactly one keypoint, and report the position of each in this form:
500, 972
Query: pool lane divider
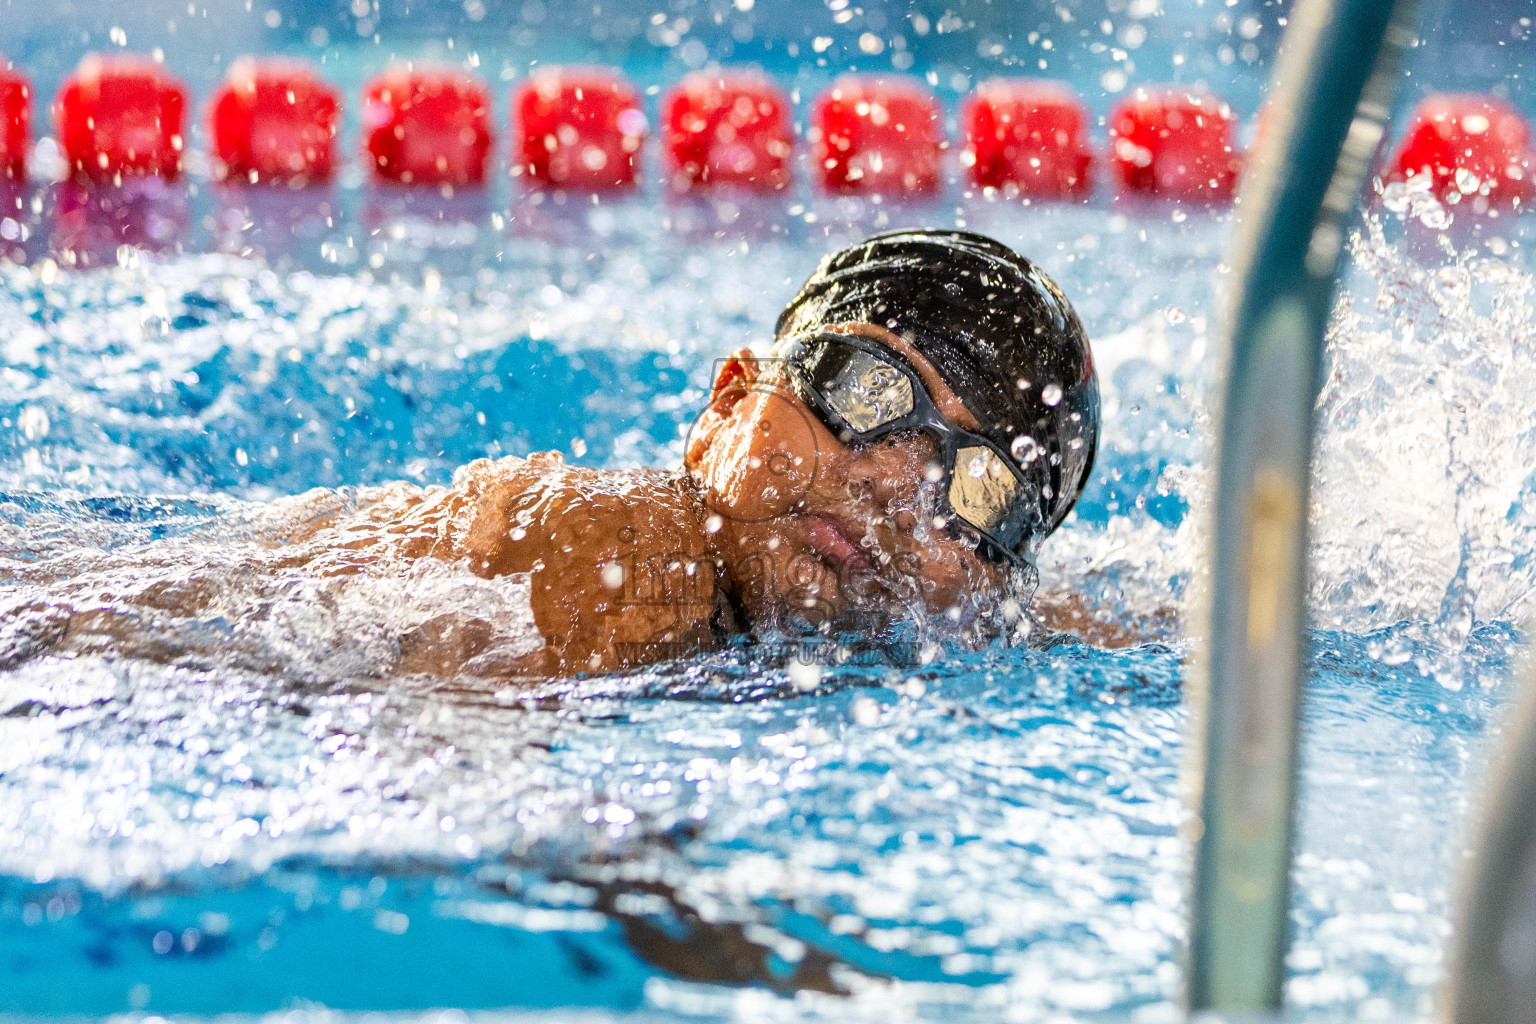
1473, 149
1028, 135
275, 120
727, 128
878, 135
15, 122
426, 126
578, 128
1176, 144
121, 114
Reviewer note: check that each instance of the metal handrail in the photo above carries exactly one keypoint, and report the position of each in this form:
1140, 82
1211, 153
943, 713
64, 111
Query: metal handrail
1334, 84
1493, 979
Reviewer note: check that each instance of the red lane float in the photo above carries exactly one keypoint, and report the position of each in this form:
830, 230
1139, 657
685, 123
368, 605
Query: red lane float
1472, 147
1174, 144
274, 120
121, 114
578, 128
728, 128
15, 122
1030, 134
426, 126
879, 135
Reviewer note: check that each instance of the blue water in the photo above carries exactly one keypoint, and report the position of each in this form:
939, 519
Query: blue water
247, 811
251, 826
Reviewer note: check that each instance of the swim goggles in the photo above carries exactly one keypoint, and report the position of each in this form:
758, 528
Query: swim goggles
863, 391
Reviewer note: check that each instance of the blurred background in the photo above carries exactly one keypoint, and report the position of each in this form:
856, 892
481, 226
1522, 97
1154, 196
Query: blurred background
1104, 47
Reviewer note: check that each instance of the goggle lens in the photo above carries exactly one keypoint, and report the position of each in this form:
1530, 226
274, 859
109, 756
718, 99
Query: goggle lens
870, 395
982, 489
868, 392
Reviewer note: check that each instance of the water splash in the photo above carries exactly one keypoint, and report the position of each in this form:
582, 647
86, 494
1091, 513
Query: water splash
993, 831
1423, 474
325, 586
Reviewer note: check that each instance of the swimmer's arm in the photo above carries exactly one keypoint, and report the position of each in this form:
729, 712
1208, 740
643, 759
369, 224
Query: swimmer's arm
593, 615
542, 517
499, 500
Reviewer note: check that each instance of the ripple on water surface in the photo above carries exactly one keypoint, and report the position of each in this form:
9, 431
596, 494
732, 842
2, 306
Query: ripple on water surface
197, 828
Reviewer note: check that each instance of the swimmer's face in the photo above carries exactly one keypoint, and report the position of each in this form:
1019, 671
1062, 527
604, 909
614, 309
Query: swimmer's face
812, 527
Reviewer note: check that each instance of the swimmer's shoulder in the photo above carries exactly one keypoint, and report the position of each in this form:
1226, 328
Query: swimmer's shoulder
616, 558
546, 484
541, 508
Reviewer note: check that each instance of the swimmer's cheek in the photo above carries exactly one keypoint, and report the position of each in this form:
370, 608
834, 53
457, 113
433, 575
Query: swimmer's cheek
907, 565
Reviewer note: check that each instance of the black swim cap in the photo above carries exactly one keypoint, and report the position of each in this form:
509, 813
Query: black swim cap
994, 326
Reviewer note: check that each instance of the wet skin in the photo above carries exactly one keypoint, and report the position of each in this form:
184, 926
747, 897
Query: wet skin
774, 520
851, 538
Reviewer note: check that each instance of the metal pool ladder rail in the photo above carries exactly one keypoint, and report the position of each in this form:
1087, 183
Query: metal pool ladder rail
1333, 87
1493, 975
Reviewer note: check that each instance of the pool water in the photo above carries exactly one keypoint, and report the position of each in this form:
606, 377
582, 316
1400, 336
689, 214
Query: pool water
273, 817
249, 810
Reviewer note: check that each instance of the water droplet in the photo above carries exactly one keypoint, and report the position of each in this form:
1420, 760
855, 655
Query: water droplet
1025, 449
1051, 395
1435, 216
1395, 197
804, 676
33, 423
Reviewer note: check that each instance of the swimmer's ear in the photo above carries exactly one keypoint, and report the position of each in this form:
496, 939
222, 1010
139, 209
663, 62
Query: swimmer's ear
732, 384
740, 368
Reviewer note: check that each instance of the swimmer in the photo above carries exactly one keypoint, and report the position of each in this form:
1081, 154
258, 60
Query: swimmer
927, 414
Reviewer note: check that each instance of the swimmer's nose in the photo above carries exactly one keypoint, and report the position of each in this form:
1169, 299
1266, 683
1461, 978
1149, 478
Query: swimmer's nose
890, 474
